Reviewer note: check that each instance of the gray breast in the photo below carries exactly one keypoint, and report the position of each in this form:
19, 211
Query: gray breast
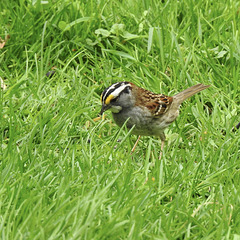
144, 124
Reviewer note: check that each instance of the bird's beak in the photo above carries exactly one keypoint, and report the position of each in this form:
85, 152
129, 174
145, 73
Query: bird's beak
104, 108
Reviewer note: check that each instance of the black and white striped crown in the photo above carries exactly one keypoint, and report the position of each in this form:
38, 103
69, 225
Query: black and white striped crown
114, 91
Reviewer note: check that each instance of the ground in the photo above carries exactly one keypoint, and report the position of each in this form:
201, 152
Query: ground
66, 176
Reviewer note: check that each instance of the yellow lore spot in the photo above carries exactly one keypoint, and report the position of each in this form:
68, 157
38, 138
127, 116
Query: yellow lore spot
109, 98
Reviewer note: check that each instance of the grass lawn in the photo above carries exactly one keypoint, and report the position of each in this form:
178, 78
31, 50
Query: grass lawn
65, 176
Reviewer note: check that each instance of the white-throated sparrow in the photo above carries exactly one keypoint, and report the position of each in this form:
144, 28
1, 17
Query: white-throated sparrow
148, 112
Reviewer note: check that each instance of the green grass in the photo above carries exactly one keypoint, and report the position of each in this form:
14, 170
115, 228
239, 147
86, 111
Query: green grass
64, 176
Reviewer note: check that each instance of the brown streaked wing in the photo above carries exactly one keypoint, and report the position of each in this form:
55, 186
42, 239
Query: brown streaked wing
156, 103
159, 104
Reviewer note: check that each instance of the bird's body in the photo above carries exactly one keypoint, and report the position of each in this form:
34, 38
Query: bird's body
144, 124
149, 113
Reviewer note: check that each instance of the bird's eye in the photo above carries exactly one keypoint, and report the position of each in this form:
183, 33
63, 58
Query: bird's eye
114, 100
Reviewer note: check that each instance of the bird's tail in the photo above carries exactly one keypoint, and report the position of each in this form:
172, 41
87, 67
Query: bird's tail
182, 96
